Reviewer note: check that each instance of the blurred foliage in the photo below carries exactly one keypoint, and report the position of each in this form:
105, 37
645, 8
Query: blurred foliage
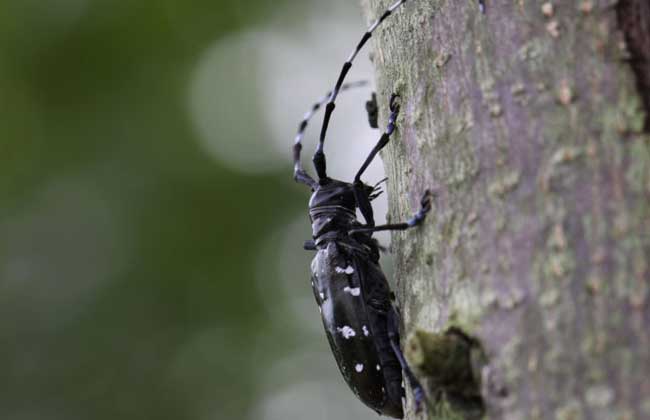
101, 178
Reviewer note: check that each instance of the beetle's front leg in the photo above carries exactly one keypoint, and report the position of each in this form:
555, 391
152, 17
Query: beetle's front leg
361, 196
383, 140
393, 336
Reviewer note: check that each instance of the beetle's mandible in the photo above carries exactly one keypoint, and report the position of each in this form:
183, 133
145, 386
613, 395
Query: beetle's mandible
360, 320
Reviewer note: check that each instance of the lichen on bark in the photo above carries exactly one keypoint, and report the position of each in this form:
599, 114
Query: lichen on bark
528, 123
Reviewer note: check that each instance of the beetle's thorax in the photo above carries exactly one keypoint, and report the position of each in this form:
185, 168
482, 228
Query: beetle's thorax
332, 208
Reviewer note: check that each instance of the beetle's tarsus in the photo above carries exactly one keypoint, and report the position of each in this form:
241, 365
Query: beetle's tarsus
419, 398
425, 207
393, 104
425, 202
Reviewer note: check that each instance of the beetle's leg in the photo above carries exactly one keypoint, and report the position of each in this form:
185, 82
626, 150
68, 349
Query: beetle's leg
379, 246
319, 156
299, 173
393, 336
363, 202
383, 140
361, 196
309, 245
373, 111
412, 222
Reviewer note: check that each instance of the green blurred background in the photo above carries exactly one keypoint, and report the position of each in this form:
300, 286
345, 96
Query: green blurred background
150, 232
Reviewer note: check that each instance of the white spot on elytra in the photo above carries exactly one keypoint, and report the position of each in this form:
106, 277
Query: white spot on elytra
365, 331
346, 332
346, 270
358, 367
322, 296
378, 367
354, 291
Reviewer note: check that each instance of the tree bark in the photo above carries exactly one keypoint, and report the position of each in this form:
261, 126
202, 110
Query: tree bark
528, 123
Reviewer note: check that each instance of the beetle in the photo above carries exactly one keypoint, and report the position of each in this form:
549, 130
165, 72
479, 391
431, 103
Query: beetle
354, 298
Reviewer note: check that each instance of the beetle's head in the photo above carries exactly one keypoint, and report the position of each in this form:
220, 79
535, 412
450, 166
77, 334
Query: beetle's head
333, 192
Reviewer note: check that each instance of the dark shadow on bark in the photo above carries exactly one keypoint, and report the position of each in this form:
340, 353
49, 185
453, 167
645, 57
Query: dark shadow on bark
634, 22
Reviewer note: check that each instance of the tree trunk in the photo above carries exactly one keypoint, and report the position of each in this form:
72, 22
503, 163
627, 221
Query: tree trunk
528, 122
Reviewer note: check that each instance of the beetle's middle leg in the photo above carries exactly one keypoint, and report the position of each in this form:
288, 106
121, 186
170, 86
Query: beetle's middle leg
425, 206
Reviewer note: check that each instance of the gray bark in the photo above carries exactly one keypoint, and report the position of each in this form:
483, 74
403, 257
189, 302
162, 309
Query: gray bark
528, 122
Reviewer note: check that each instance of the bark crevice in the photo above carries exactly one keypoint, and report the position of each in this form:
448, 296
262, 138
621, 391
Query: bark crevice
450, 365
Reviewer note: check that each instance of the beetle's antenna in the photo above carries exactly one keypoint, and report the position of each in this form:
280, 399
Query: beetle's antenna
299, 174
319, 156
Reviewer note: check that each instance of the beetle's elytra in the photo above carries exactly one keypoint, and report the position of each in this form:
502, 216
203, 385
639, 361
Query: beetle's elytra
360, 320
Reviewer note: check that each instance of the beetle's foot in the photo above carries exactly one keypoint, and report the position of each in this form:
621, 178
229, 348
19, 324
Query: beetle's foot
425, 202
393, 103
419, 398
425, 207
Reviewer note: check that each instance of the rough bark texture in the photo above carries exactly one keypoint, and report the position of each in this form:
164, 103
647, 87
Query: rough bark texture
528, 121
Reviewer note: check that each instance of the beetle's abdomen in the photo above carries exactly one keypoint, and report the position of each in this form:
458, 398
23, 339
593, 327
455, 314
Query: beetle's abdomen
353, 330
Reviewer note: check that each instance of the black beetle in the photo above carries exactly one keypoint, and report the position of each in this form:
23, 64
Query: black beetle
354, 298
361, 323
